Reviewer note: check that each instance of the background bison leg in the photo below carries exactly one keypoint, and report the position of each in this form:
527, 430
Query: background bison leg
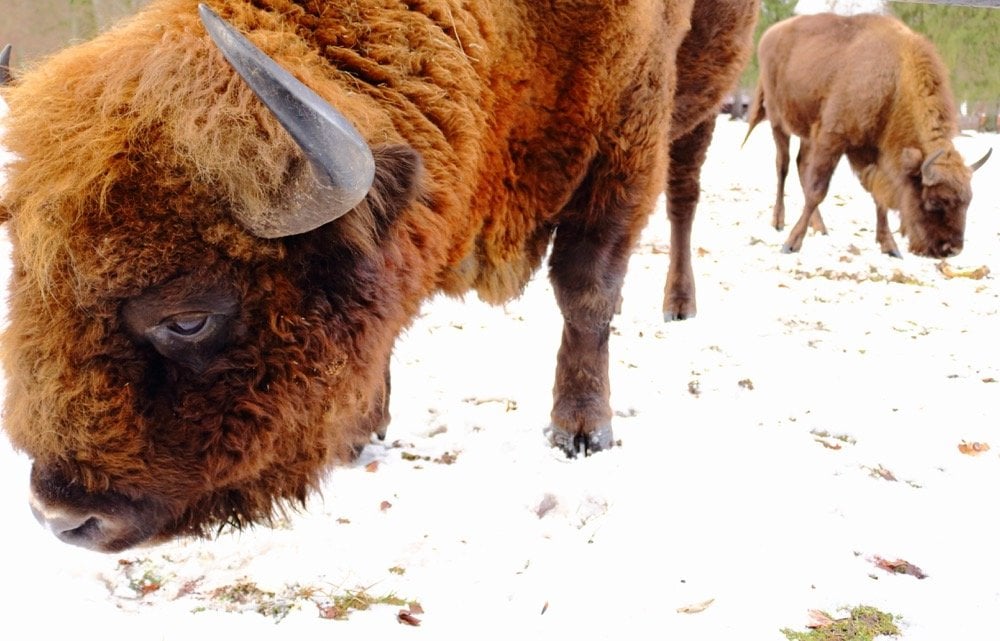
816, 221
687, 154
820, 162
883, 235
781, 165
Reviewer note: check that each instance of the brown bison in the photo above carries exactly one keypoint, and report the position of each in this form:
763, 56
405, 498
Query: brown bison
211, 262
868, 87
710, 60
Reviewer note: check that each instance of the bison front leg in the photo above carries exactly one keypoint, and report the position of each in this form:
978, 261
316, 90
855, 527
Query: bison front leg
587, 268
816, 221
374, 421
687, 154
883, 235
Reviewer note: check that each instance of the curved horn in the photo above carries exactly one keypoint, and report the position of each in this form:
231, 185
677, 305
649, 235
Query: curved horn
982, 161
5, 66
340, 167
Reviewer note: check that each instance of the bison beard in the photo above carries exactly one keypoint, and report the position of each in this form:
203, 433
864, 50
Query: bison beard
201, 310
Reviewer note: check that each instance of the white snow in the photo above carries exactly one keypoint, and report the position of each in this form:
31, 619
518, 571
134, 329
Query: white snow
843, 7
721, 488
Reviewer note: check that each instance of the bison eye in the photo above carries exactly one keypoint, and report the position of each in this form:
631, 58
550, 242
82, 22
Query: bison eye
190, 328
191, 339
187, 325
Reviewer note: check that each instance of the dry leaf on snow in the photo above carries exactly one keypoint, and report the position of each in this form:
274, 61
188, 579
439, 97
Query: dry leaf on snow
950, 272
827, 444
547, 504
881, 473
695, 607
974, 448
898, 566
404, 616
819, 619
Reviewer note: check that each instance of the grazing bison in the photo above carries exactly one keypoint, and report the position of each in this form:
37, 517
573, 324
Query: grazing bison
869, 87
710, 60
211, 266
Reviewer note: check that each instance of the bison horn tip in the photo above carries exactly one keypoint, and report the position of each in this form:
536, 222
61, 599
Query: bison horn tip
982, 161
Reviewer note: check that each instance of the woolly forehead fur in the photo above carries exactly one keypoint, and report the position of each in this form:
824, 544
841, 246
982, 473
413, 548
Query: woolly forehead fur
141, 128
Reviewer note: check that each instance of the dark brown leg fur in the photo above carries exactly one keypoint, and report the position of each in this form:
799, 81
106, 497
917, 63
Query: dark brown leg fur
687, 154
587, 269
587, 266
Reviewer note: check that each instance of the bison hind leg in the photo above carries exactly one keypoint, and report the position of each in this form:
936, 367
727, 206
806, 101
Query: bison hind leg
687, 155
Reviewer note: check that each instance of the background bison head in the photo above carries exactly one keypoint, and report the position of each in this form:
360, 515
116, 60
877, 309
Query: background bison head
934, 200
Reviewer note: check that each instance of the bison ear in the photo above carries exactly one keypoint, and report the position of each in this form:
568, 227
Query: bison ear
397, 183
915, 164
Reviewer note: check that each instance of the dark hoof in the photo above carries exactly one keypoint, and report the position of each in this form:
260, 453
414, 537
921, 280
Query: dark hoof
676, 316
895, 253
586, 444
788, 249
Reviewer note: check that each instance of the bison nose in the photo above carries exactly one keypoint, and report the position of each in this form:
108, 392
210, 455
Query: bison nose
102, 521
77, 528
950, 248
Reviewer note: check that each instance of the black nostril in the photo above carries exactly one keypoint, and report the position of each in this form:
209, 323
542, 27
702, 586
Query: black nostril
84, 531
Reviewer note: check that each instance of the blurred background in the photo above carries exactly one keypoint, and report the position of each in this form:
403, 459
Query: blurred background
965, 36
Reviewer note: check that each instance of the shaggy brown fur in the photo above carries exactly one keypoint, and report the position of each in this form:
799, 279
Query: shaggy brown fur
709, 62
497, 125
869, 87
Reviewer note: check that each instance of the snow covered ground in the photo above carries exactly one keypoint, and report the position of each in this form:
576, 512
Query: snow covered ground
805, 423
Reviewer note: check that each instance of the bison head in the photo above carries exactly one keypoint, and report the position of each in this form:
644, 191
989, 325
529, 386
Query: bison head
934, 200
201, 309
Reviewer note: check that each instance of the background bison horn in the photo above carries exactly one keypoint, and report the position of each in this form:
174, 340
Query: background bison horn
5, 66
982, 161
340, 166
